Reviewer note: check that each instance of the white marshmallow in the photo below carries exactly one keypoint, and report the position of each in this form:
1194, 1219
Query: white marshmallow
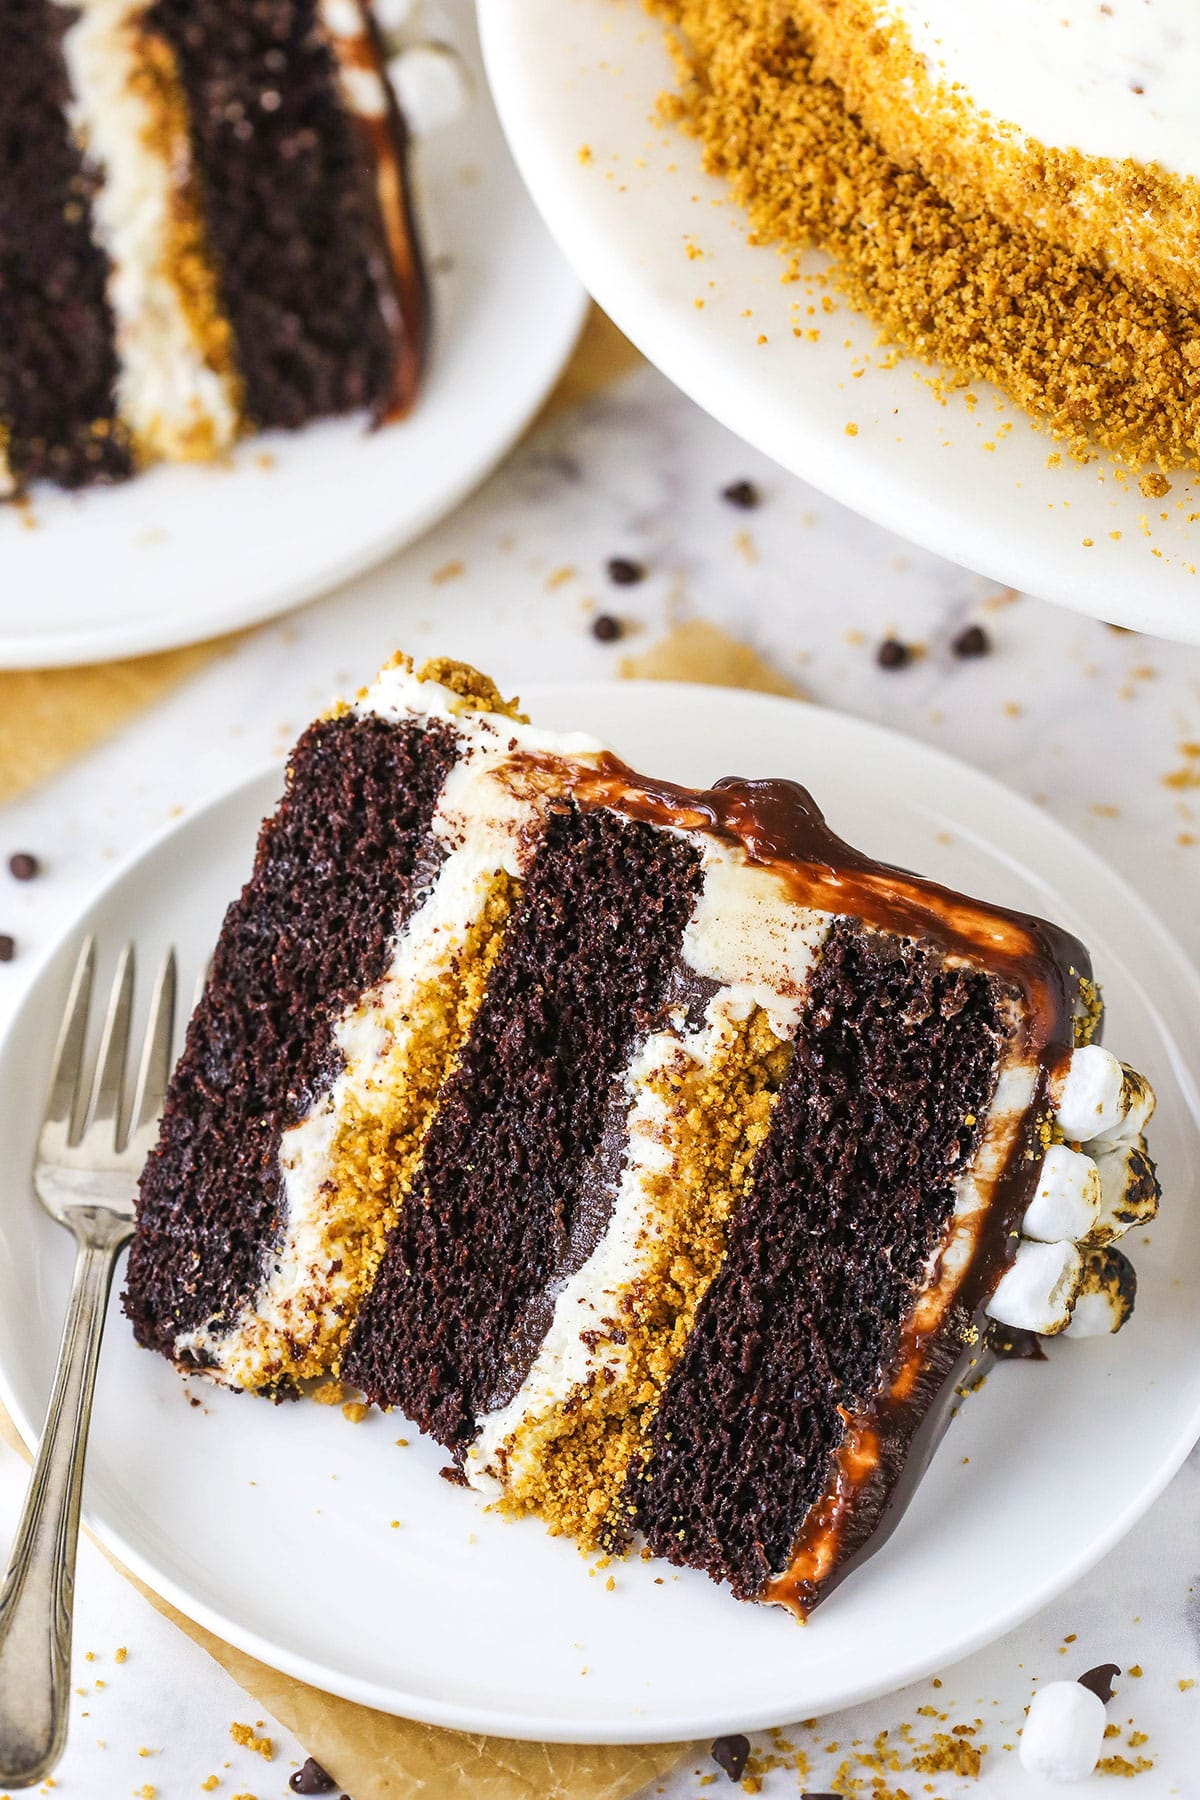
392, 16
430, 85
1036, 1291
1129, 1190
1106, 1295
1066, 1201
1063, 1732
1095, 1097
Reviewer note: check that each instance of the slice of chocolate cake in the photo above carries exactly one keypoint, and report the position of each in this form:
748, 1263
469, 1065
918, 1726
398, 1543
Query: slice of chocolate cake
662, 1156
205, 230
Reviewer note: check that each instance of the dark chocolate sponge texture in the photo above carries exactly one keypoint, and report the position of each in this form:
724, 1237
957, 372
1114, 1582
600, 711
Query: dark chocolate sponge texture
58, 364
338, 868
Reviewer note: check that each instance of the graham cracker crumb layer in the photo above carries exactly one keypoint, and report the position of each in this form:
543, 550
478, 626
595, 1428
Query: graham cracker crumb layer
187, 262
378, 1143
476, 692
570, 1462
1095, 359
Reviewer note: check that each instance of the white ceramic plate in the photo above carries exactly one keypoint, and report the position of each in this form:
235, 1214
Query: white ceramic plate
272, 1525
567, 74
183, 553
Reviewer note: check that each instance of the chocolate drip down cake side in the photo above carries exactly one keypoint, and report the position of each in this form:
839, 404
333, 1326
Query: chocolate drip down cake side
663, 1157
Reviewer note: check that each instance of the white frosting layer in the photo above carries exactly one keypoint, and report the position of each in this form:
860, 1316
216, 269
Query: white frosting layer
1115, 80
1063, 1732
172, 401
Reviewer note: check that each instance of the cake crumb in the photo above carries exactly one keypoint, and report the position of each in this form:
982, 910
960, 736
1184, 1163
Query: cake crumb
328, 1393
355, 1411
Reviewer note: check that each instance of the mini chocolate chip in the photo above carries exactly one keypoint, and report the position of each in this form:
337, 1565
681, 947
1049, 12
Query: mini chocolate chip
972, 641
809, 1795
625, 572
892, 654
1099, 1681
8, 947
24, 866
732, 1754
311, 1779
743, 494
606, 629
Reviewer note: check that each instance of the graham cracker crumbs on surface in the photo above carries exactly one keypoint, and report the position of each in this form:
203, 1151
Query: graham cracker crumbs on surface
121, 1655
1185, 1684
1093, 354
211, 1784
449, 571
1154, 486
560, 577
1135, 1669
355, 1411
328, 1393
584, 153
1121, 1765
245, 1736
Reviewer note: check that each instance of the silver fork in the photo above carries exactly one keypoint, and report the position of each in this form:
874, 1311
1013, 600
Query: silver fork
86, 1172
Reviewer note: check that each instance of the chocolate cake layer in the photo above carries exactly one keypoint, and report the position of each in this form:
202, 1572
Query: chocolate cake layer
893, 1070
57, 358
506, 1203
338, 870
292, 216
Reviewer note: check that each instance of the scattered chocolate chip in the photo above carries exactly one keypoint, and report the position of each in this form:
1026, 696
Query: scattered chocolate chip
743, 494
809, 1795
732, 1754
8, 947
606, 629
973, 640
23, 866
311, 1779
892, 654
1099, 1681
1013, 1344
625, 572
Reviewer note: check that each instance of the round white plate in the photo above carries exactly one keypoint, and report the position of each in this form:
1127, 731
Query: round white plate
185, 552
582, 76
272, 1525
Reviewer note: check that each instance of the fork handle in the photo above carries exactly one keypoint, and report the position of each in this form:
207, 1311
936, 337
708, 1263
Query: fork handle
38, 1592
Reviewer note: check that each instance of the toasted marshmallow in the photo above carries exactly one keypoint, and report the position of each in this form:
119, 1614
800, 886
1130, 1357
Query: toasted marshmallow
1106, 1294
1066, 1201
1129, 1190
430, 85
1095, 1097
1063, 1732
395, 16
1036, 1291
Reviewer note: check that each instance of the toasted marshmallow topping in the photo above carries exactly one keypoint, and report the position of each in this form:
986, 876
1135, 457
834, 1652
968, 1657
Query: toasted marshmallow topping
1066, 1202
1037, 1290
1063, 1732
1106, 1294
1096, 1098
1129, 1190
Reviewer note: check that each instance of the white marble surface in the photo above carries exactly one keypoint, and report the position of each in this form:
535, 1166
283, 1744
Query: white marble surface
1086, 720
